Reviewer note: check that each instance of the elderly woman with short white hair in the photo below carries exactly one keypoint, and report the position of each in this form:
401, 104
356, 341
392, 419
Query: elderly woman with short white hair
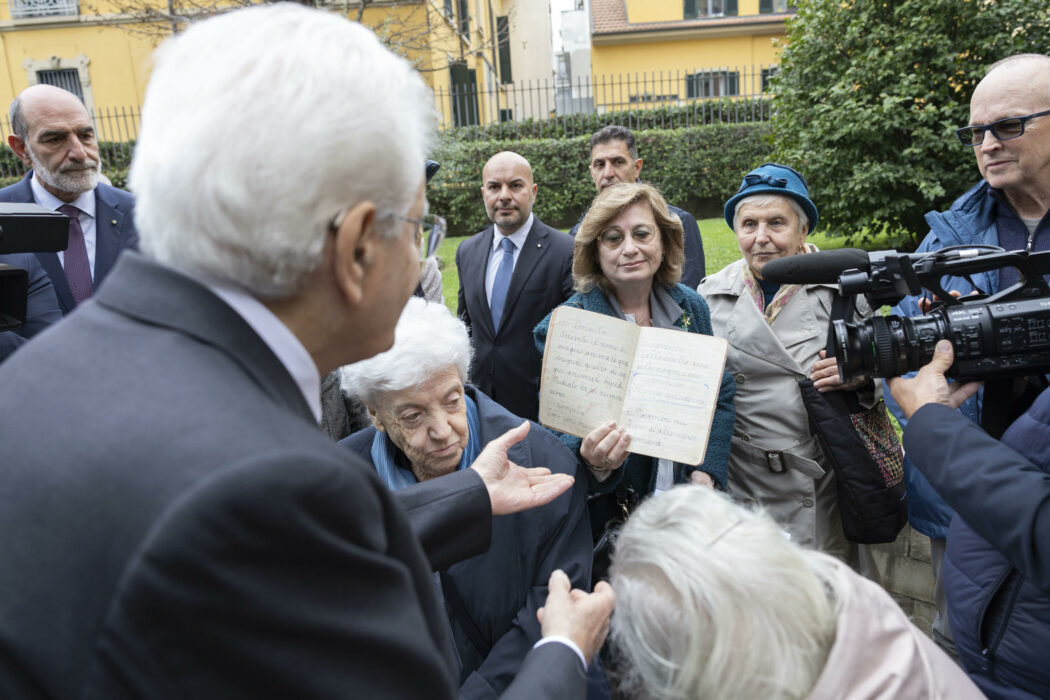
714, 602
427, 422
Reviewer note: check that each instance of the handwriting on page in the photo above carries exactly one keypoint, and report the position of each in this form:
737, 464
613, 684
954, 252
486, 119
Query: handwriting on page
586, 368
672, 394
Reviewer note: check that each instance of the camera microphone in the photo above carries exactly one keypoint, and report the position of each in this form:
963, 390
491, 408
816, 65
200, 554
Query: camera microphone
822, 267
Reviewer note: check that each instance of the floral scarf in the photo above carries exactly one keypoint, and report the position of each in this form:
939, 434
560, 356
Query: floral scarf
783, 295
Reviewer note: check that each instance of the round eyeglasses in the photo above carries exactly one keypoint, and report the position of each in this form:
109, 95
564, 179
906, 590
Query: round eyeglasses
613, 238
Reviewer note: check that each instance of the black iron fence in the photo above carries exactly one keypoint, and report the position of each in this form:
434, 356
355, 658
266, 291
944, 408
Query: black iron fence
665, 99
553, 108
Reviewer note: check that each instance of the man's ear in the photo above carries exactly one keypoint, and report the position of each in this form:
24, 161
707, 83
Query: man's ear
18, 145
356, 242
637, 168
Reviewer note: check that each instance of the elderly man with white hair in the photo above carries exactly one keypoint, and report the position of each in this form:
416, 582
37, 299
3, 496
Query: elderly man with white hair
174, 522
429, 424
715, 602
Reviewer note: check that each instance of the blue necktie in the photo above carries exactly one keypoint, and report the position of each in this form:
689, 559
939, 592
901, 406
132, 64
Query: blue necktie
501, 283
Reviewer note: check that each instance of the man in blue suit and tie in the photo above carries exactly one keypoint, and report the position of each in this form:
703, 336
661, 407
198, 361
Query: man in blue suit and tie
54, 135
511, 275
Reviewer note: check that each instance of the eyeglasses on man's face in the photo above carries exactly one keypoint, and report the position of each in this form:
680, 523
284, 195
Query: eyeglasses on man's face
613, 238
1002, 129
430, 230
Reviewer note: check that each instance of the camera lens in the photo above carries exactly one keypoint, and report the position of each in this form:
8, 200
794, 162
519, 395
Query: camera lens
887, 346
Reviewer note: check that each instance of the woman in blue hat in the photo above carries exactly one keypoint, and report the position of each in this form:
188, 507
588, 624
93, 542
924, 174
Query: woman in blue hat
776, 334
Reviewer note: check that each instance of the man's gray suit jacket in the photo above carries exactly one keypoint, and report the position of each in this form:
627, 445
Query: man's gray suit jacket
176, 525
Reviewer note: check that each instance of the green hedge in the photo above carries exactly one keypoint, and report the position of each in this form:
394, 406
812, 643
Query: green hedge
696, 168
696, 113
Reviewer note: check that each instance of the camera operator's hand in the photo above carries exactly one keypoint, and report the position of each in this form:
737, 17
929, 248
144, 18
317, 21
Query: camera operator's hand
925, 303
825, 376
930, 385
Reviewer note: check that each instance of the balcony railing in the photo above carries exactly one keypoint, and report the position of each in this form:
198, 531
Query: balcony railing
24, 9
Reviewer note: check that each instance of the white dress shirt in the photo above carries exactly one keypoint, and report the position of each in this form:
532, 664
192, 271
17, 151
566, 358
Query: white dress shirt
496, 254
284, 344
85, 203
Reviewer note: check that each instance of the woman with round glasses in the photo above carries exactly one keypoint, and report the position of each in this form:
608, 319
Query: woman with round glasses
777, 334
627, 262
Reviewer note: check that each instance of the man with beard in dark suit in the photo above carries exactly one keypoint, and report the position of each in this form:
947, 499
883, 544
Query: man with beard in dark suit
54, 136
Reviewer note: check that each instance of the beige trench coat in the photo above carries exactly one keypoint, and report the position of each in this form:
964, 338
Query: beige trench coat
775, 460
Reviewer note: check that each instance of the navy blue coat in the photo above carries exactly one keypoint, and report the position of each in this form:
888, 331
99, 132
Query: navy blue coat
41, 303
972, 220
114, 232
502, 588
997, 565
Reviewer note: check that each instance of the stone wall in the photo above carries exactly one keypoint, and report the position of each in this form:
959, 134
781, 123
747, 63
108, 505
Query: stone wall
908, 576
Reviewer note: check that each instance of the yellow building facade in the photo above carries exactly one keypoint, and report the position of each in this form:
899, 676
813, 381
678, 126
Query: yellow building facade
100, 49
667, 51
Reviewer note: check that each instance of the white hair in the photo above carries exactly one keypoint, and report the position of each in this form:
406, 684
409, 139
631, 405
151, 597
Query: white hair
764, 200
704, 588
427, 340
259, 126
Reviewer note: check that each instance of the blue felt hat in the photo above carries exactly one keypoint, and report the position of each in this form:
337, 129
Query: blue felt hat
774, 178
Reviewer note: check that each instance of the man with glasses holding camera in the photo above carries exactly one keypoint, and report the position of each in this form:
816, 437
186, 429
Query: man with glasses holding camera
1009, 132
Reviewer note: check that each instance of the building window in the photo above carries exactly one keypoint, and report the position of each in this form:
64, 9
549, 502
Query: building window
708, 8
67, 73
768, 73
503, 41
463, 16
449, 12
652, 97
65, 78
21, 9
712, 83
767, 6
464, 93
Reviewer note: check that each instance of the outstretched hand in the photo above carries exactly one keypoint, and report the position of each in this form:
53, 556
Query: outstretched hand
582, 617
513, 488
929, 384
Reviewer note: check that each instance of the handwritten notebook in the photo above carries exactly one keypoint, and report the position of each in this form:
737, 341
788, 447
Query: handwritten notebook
661, 385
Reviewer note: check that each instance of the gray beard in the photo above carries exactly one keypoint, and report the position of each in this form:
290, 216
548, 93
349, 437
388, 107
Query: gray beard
74, 182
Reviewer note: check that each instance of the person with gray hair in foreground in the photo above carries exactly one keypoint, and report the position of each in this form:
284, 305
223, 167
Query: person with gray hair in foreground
428, 425
175, 524
714, 601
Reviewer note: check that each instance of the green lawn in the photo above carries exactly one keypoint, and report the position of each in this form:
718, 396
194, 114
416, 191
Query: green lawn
719, 250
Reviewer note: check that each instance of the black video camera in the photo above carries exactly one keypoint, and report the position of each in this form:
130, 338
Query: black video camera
999, 336
25, 228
